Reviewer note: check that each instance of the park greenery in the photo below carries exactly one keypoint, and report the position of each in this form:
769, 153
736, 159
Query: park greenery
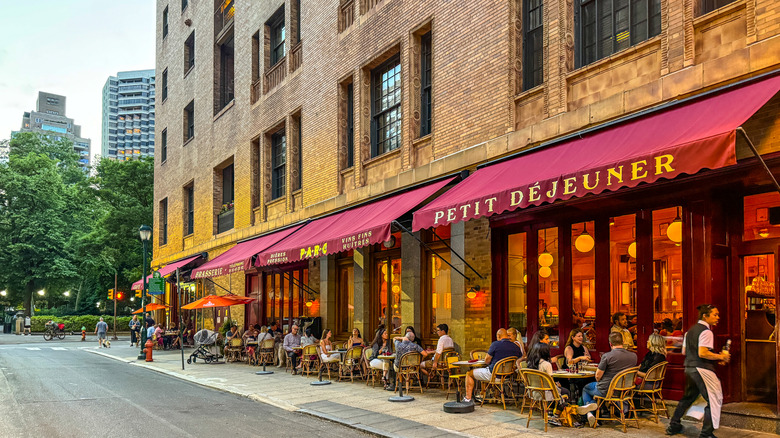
66, 232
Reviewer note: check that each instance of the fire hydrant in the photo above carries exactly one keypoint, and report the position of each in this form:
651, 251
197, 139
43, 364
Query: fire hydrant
149, 346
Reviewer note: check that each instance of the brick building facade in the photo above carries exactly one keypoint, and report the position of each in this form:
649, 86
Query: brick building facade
505, 76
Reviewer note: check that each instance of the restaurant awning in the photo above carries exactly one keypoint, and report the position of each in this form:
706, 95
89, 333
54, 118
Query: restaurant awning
681, 139
165, 271
353, 228
239, 257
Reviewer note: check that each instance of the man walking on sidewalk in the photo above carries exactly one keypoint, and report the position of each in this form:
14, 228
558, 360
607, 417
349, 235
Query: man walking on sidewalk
700, 379
100, 330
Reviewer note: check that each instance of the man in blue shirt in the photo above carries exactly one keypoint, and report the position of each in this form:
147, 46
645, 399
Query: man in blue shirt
499, 350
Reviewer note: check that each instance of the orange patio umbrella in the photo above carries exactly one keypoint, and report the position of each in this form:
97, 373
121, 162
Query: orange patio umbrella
150, 307
212, 301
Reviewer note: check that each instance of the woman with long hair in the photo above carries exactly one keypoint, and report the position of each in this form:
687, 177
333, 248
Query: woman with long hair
326, 348
575, 350
540, 336
656, 346
413, 337
382, 346
539, 359
355, 340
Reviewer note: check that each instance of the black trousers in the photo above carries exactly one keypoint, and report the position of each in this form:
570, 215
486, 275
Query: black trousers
293, 358
133, 336
694, 386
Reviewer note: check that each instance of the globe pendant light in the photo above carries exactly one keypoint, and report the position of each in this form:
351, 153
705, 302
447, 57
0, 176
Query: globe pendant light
632, 249
674, 230
545, 258
584, 242
545, 271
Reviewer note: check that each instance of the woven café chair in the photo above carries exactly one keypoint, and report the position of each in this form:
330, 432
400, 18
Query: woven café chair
310, 360
538, 386
478, 354
409, 367
371, 373
234, 350
495, 390
620, 392
438, 375
453, 374
266, 353
351, 363
558, 361
651, 389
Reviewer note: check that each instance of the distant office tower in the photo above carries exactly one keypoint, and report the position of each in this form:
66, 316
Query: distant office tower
49, 119
128, 115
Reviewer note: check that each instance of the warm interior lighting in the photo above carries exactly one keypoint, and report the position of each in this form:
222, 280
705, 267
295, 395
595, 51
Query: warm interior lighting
632, 249
674, 303
553, 311
525, 278
584, 242
309, 303
590, 313
471, 295
674, 230
545, 271
545, 259
396, 289
763, 233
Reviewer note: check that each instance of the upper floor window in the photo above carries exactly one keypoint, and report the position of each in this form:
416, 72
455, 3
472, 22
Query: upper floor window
183, 4
189, 219
533, 39
189, 121
350, 125
189, 52
165, 84
278, 163
609, 26
386, 107
164, 221
224, 68
426, 81
164, 146
277, 34
165, 22
708, 6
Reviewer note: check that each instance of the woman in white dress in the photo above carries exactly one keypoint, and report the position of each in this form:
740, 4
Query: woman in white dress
326, 348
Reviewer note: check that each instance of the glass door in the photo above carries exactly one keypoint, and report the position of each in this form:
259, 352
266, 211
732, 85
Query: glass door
759, 289
388, 291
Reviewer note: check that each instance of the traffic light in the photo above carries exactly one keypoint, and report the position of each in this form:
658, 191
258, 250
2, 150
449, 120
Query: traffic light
111, 294
120, 295
138, 294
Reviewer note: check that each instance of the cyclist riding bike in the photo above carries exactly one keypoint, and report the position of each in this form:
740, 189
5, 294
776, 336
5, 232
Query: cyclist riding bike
54, 330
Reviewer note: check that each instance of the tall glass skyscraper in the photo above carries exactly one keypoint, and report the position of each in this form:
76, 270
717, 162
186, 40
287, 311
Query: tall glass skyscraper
128, 115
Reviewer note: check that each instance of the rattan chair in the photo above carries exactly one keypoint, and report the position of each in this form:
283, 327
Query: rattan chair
441, 370
266, 353
620, 392
350, 364
453, 374
371, 373
234, 350
409, 367
310, 360
538, 386
478, 354
558, 360
651, 389
495, 390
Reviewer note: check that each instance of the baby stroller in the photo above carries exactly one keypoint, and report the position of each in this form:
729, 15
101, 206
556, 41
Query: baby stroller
204, 341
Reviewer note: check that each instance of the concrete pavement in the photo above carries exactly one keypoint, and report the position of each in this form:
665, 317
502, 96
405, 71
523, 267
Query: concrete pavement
365, 408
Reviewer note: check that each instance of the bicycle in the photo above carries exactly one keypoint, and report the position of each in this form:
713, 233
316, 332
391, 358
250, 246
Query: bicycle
53, 331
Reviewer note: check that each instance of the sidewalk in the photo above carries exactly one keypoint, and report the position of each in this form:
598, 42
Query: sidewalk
365, 408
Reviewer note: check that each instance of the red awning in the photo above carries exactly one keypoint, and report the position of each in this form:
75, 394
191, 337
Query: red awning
164, 271
354, 228
239, 257
683, 139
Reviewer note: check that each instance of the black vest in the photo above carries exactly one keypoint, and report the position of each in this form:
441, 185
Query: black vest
692, 359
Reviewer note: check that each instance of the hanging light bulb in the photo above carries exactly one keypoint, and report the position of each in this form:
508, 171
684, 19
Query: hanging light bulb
674, 230
632, 249
525, 278
309, 303
584, 242
545, 271
545, 258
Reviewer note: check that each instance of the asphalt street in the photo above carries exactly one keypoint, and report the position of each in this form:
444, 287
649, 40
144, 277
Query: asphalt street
56, 389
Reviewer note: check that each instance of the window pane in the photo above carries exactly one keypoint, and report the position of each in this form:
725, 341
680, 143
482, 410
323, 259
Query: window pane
269, 298
441, 294
518, 280
395, 280
583, 273
667, 272
756, 221
622, 257
296, 294
548, 282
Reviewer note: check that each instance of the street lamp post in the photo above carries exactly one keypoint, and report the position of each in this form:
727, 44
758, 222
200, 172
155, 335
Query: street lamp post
146, 233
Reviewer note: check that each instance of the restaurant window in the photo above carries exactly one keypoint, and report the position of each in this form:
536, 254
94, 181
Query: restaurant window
277, 34
667, 273
708, 6
165, 22
622, 258
761, 216
583, 277
278, 163
189, 53
346, 296
440, 297
533, 44
549, 311
386, 107
164, 221
287, 297
388, 280
608, 26
426, 83
518, 283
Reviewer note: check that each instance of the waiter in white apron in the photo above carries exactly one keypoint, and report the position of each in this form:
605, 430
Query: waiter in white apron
700, 379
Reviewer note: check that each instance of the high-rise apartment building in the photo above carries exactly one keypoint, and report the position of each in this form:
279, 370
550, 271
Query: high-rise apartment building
128, 115
49, 119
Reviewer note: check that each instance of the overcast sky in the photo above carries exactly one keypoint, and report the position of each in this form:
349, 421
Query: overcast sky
70, 47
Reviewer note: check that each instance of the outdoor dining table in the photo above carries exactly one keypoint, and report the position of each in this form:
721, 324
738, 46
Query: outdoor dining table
572, 377
457, 406
400, 397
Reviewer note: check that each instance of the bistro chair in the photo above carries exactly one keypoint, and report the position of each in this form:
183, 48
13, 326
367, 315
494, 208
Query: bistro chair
500, 382
539, 387
478, 354
453, 374
329, 366
250, 353
620, 392
409, 367
351, 363
651, 388
558, 360
371, 373
437, 376
234, 350
266, 353
310, 360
